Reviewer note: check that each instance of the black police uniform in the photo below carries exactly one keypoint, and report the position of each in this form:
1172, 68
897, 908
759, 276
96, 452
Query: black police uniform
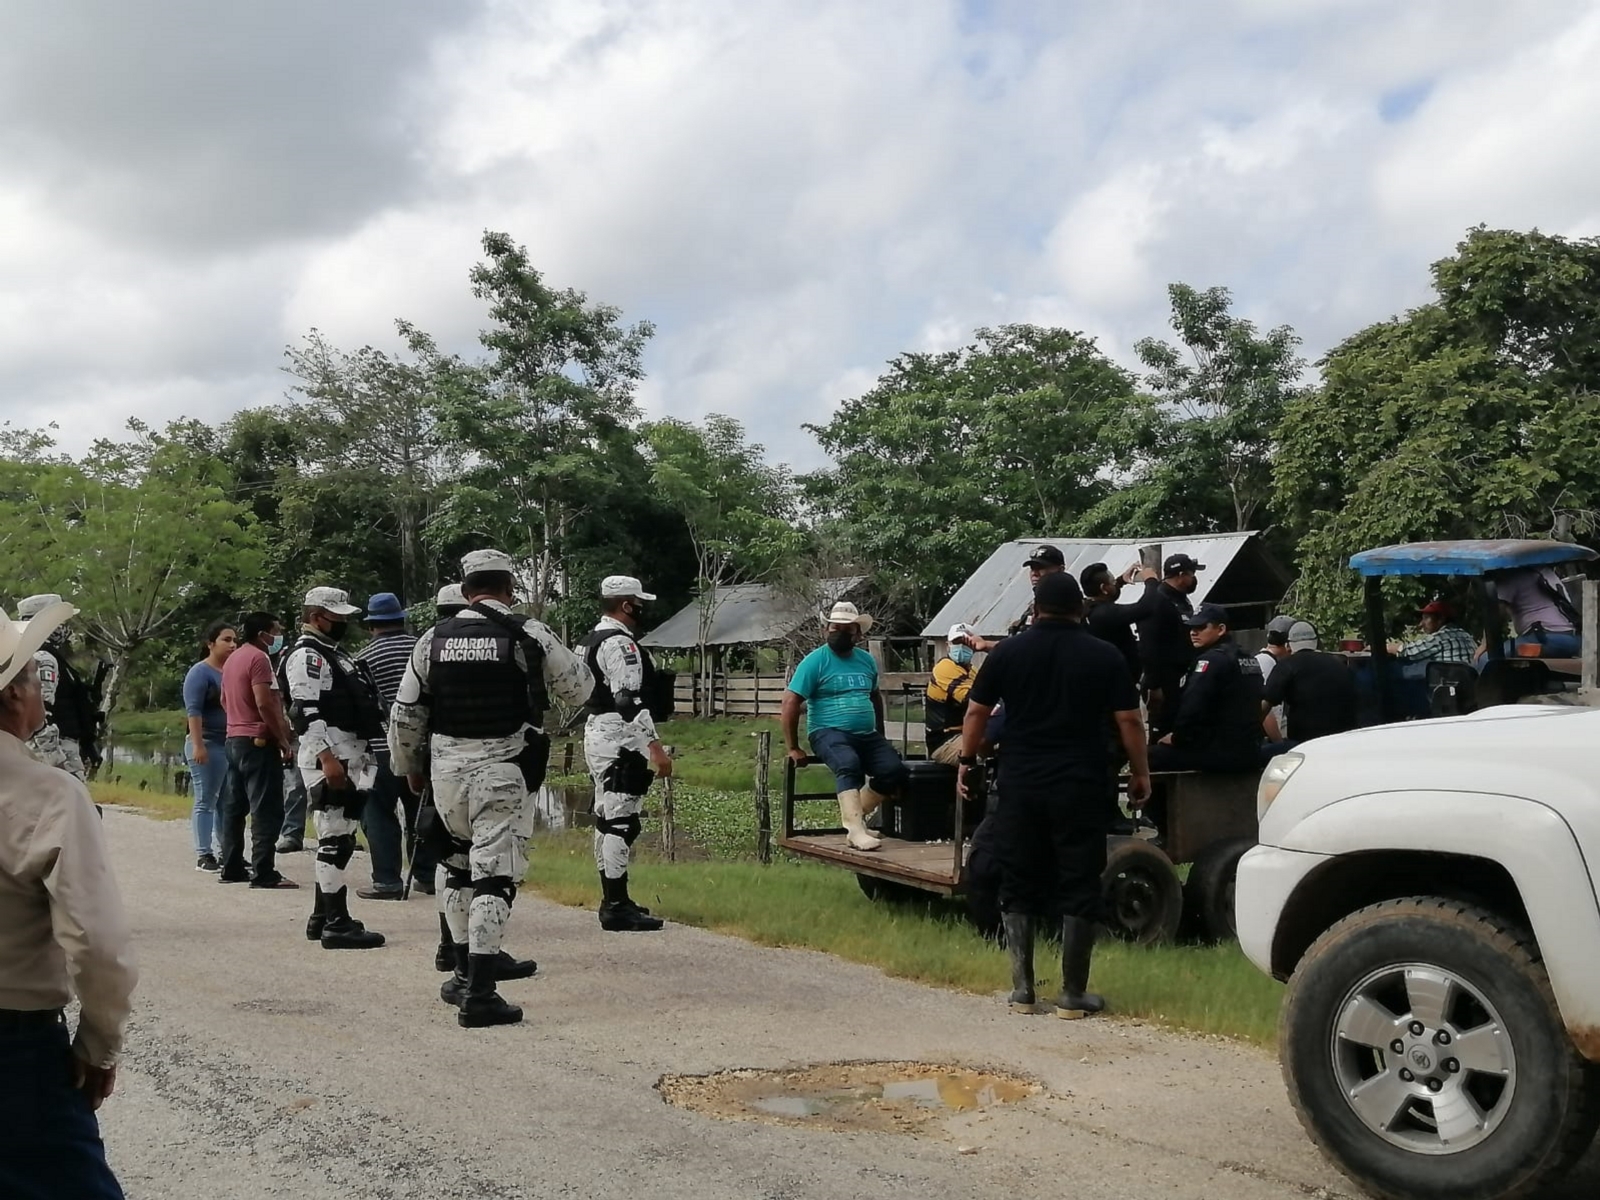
1166, 653
1218, 723
1112, 621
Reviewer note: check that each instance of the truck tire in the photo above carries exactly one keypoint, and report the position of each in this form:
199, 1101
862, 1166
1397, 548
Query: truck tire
1425, 1056
1208, 892
1143, 898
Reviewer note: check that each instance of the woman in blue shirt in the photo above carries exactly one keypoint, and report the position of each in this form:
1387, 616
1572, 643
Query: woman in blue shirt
204, 748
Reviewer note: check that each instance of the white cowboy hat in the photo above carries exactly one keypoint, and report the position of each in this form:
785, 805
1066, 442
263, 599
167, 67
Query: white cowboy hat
845, 613
19, 639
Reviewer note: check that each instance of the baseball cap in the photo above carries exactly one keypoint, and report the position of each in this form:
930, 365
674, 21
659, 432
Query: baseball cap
450, 594
1303, 635
480, 562
1439, 608
1046, 556
1057, 593
1278, 630
958, 631
624, 585
1178, 564
334, 600
1206, 614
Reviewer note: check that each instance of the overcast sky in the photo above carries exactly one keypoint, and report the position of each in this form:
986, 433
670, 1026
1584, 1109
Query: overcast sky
793, 193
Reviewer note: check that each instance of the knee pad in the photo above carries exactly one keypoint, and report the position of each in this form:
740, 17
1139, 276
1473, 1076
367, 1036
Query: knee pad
459, 878
626, 828
337, 851
496, 885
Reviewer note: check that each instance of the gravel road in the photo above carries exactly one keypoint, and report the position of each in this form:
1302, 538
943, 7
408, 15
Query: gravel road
260, 1065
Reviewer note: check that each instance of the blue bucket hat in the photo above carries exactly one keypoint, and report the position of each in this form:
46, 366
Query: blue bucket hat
383, 607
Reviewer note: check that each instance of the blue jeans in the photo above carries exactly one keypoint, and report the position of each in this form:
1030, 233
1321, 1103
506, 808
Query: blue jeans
206, 781
384, 833
294, 805
853, 757
50, 1143
1555, 645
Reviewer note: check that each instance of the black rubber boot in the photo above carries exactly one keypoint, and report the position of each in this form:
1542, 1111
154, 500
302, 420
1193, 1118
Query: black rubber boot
444, 958
319, 915
627, 900
341, 931
616, 916
1077, 948
454, 990
1019, 948
483, 1005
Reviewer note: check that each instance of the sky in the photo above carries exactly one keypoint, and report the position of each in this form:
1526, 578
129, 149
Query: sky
792, 193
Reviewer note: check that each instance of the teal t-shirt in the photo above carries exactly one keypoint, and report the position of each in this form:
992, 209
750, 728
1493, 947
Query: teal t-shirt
837, 691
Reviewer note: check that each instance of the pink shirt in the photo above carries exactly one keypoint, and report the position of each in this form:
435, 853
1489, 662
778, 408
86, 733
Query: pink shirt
246, 667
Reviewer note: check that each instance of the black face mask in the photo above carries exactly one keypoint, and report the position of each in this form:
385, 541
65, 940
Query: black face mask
337, 630
841, 642
635, 613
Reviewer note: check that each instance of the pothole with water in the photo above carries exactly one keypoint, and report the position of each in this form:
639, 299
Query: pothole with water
884, 1097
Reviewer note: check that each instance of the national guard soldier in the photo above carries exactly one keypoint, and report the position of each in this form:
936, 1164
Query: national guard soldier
335, 716
71, 718
468, 719
620, 744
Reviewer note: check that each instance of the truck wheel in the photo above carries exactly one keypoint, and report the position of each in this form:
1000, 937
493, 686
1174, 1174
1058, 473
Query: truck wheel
1208, 892
1424, 1054
1143, 898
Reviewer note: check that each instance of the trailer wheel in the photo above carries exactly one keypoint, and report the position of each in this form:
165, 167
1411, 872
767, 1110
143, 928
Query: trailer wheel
888, 892
1143, 898
1208, 894
983, 910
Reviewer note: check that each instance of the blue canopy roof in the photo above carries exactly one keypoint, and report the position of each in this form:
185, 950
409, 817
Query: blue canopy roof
1475, 557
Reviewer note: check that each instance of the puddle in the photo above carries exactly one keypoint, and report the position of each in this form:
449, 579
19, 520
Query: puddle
884, 1097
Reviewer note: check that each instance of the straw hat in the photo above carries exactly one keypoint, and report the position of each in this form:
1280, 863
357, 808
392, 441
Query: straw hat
845, 613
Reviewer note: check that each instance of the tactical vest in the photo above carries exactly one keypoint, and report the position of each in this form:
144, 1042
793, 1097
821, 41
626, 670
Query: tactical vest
478, 688
656, 687
350, 705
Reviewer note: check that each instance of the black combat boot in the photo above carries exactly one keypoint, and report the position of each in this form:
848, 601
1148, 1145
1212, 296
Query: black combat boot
454, 990
483, 1005
341, 931
1019, 948
444, 958
319, 915
1077, 948
616, 916
627, 900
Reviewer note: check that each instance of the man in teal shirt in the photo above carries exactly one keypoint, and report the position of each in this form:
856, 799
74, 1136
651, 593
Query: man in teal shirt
838, 684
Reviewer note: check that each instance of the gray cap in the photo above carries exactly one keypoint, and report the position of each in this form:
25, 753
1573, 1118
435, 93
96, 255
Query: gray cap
1303, 636
34, 605
450, 594
1278, 630
481, 561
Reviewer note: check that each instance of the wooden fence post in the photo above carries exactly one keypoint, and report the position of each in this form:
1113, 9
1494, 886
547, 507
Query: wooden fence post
764, 797
669, 824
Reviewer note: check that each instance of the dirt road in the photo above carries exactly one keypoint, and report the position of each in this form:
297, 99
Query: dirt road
260, 1065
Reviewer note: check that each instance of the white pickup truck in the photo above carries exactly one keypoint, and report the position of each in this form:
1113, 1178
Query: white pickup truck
1428, 890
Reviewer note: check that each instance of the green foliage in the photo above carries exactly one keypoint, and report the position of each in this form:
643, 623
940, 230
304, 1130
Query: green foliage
1475, 415
952, 453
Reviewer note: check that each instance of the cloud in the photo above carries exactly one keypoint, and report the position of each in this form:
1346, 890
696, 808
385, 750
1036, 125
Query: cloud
792, 194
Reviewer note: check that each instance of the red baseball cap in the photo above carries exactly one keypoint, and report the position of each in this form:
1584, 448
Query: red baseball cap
1439, 608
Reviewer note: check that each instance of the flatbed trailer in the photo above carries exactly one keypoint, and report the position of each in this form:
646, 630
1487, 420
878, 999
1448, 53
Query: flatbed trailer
1211, 822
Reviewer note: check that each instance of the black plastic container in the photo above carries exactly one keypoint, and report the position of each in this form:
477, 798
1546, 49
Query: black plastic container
925, 811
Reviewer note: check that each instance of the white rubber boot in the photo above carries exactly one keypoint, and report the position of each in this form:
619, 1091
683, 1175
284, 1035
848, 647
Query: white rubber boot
871, 801
854, 826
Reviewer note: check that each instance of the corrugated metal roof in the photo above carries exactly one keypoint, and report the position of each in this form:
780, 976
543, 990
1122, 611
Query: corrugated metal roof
750, 613
997, 593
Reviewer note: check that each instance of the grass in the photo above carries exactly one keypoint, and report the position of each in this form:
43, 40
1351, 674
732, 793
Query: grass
156, 725
802, 905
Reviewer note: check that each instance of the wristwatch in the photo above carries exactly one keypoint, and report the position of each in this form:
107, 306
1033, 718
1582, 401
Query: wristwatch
967, 760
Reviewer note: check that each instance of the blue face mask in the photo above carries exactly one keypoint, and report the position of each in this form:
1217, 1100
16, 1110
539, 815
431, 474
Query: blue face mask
961, 655
275, 644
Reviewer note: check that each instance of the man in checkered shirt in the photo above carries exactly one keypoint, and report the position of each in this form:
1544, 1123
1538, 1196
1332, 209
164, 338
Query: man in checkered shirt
1442, 641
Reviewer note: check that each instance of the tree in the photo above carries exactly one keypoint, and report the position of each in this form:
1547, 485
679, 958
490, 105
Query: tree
951, 453
1474, 415
544, 425
739, 511
1203, 442
129, 535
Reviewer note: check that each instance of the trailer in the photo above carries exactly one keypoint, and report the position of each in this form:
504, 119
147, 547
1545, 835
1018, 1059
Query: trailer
1211, 822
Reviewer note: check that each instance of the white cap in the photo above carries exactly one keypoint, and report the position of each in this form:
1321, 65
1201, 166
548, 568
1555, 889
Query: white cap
958, 630
333, 600
1303, 634
623, 585
34, 605
19, 639
481, 561
451, 593
845, 613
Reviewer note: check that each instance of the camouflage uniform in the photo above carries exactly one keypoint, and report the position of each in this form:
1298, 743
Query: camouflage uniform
56, 681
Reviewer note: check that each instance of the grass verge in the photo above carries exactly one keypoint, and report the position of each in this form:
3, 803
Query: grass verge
1205, 989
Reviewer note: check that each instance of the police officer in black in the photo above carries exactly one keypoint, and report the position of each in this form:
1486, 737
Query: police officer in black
1108, 618
1062, 688
1165, 649
1217, 726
